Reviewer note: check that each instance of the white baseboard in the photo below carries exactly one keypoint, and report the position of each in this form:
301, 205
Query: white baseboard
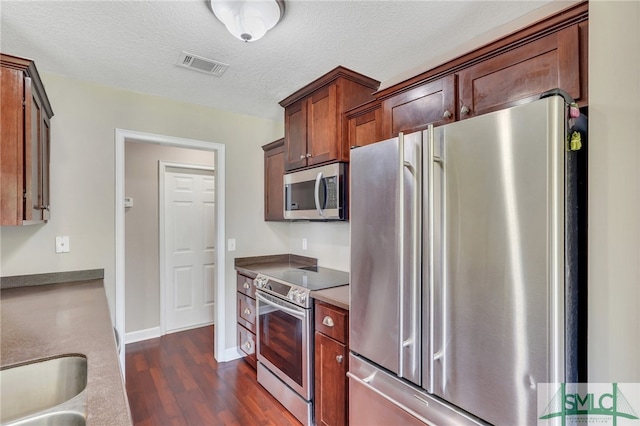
231, 354
140, 335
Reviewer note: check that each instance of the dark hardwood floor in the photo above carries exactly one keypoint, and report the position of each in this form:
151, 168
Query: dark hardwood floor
174, 380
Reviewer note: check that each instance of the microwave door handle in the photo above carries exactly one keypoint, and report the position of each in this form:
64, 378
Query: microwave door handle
317, 193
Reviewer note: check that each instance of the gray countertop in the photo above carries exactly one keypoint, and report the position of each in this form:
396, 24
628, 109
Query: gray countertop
47, 321
336, 296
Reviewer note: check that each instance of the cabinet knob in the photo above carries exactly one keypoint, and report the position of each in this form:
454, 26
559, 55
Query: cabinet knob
464, 110
247, 311
308, 155
328, 321
339, 359
302, 156
248, 346
447, 114
246, 285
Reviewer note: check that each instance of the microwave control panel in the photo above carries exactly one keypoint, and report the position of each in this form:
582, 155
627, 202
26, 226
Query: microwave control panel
332, 192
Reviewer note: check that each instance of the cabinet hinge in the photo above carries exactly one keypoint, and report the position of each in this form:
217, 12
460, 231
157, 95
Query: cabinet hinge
24, 194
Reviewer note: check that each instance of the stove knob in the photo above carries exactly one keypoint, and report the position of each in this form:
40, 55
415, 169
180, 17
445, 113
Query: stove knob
300, 297
292, 294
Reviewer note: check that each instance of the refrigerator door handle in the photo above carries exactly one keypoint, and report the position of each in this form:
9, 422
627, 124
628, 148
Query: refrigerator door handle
400, 221
409, 365
432, 354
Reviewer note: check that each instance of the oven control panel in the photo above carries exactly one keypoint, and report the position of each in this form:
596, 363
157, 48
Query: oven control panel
287, 291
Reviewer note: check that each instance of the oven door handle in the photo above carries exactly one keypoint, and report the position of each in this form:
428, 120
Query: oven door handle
265, 299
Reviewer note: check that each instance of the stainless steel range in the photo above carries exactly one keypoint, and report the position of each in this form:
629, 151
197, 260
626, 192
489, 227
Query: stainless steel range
284, 328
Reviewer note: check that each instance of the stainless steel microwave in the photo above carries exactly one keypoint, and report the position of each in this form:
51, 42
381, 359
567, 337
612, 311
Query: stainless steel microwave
316, 194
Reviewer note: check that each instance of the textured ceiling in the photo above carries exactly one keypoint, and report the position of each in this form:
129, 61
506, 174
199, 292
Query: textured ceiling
134, 45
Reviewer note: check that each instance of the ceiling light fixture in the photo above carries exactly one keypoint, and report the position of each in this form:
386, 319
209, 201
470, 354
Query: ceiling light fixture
248, 20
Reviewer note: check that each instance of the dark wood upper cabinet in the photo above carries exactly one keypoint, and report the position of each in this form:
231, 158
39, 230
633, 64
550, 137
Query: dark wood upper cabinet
517, 68
315, 129
365, 124
413, 110
521, 74
25, 144
273, 185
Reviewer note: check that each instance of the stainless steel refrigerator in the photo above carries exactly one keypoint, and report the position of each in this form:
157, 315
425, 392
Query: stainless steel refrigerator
466, 269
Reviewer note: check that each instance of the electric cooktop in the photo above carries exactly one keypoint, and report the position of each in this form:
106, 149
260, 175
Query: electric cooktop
296, 284
311, 277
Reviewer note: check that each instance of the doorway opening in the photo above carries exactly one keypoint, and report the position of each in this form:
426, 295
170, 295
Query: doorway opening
122, 136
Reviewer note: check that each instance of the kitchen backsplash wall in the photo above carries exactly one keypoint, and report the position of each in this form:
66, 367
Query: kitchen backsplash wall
326, 241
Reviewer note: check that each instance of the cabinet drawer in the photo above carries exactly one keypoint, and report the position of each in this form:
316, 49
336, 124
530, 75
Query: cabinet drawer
247, 345
247, 312
332, 321
245, 286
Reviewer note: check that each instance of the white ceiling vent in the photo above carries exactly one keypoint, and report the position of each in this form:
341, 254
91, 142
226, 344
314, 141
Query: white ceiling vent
198, 63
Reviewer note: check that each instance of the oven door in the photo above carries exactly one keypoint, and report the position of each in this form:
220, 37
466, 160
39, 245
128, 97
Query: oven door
284, 341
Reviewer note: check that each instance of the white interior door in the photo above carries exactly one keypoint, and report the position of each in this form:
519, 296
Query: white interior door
190, 247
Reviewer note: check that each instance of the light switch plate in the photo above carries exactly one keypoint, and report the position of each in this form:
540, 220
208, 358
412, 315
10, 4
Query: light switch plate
231, 244
304, 244
62, 244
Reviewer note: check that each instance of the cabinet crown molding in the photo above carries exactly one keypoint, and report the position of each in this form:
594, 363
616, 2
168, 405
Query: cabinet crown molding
331, 76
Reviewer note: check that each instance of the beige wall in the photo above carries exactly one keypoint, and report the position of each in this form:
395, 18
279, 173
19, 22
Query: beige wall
83, 180
142, 266
328, 242
614, 191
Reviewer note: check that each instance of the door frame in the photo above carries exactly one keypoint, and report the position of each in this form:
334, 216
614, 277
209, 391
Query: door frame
162, 169
122, 136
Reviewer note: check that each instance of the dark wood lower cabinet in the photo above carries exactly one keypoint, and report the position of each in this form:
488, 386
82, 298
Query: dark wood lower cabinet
331, 381
331, 365
246, 318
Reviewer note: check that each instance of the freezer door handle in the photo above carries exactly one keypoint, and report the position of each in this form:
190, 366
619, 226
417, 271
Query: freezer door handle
367, 384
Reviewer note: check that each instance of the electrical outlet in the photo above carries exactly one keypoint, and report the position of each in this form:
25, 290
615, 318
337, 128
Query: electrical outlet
231, 244
62, 244
304, 244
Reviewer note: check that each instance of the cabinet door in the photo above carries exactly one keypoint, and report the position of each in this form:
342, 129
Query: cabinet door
33, 207
413, 110
323, 141
330, 381
295, 123
44, 166
365, 129
521, 74
273, 183
11, 148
